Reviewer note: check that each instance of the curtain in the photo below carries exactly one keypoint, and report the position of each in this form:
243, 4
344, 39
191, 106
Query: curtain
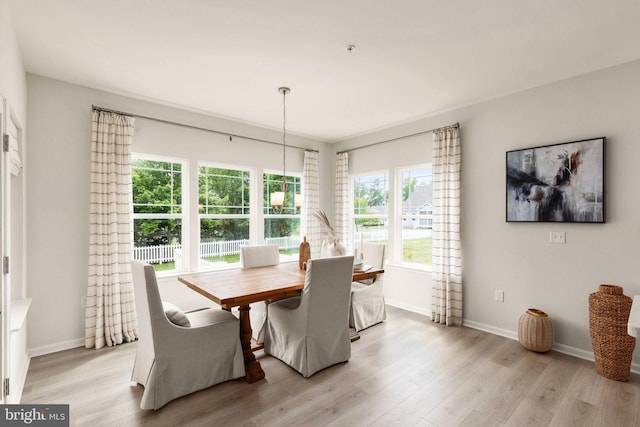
446, 251
343, 211
110, 316
310, 203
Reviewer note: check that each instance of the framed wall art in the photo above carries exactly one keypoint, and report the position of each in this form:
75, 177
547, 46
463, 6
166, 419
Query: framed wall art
557, 183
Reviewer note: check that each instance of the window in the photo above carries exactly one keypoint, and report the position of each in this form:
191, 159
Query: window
157, 211
417, 215
282, 229
371, 208
224, 214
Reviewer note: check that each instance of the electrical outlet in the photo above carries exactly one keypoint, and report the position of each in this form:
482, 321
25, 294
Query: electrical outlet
499, 295
557, 237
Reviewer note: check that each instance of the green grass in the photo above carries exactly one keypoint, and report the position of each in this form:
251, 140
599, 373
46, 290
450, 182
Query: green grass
164, 266
417, 251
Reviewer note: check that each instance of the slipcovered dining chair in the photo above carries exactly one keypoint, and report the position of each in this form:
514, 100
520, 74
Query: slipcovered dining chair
254, 257
310, 332
173, 360
367, 298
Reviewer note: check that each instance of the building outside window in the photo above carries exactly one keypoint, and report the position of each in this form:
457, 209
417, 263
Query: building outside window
158, 211
282, 228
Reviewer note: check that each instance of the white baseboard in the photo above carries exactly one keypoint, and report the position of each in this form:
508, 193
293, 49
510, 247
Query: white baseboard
408, 307
54, 348
560, 348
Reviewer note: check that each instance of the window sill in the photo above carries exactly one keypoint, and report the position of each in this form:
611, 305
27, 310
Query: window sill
170, 274
410, 267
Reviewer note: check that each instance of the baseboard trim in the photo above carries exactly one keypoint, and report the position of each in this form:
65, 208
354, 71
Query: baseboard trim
54, 348
407, 307
560, 348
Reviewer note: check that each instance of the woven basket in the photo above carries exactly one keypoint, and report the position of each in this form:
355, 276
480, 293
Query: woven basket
535, 331
612, 347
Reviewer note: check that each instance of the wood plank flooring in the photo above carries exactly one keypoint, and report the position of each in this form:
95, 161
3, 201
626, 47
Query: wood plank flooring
403, 372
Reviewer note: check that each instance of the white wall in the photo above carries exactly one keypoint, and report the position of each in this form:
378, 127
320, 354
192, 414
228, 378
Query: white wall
59, 132
13, 88
517, 257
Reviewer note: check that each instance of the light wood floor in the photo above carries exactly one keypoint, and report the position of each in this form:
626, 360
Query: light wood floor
404, 372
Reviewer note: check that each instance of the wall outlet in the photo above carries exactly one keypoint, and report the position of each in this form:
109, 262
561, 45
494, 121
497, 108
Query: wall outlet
499, 295
557, 237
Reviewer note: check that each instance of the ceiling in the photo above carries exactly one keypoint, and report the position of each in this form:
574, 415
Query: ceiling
413, 58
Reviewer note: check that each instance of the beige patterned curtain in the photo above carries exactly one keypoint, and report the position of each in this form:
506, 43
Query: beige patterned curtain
110, 316
343, 211
311, 202
446, 297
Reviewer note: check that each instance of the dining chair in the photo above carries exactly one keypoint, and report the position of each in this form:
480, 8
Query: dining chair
179, 353
254, 257
367, 297
310, 332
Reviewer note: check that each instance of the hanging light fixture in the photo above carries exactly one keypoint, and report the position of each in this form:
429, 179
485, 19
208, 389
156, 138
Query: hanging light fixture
278, 197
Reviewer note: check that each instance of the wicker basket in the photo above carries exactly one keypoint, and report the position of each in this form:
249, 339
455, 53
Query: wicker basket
535, 331
612, 347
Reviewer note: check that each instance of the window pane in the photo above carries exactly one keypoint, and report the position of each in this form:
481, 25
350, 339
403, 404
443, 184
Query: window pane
157, 186
370, 208
371, 194
158, 242
373, 230
284, 232
223, 191
417, 215
220, 241
273, 183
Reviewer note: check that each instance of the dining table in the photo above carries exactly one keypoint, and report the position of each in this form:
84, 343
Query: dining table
240, 287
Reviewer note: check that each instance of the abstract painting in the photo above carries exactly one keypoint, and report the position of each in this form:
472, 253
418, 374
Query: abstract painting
557, 183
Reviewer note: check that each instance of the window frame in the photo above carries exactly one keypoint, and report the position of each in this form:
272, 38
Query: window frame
399, 221
250, 216
266, 216
184, 207
384, 218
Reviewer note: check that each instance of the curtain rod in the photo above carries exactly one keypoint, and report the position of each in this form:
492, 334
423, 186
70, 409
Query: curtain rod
230, 135
453, 126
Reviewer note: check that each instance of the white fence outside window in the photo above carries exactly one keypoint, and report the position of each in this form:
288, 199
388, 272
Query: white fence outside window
166, 253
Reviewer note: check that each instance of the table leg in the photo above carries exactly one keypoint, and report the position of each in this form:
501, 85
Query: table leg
252, 367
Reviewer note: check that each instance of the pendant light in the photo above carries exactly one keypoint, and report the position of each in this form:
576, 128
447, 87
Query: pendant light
278, 197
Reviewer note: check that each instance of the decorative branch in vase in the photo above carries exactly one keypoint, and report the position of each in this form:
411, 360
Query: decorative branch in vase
331, 244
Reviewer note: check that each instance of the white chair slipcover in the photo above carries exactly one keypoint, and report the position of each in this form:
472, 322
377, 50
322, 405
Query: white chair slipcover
254, 257
311, 332
367, 298
173, 361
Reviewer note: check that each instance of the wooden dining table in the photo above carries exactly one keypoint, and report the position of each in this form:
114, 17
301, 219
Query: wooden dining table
241, 287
